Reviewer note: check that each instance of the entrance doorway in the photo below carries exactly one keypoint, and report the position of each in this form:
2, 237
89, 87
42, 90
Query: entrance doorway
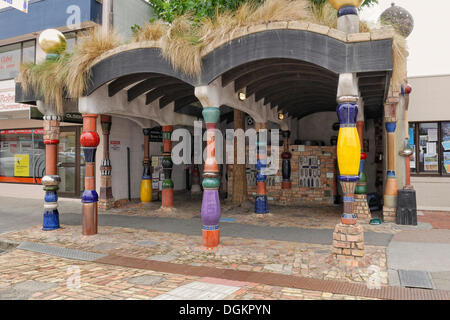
71, 166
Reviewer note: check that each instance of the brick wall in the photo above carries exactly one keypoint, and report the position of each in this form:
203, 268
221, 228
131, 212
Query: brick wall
313, 177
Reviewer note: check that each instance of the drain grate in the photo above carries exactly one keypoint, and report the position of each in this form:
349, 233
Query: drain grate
60, 252
415, 279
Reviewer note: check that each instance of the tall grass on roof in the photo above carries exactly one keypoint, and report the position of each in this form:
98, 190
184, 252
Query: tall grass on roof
68, 75
183, 43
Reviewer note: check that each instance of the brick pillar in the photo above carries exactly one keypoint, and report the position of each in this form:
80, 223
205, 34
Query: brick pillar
211, 203
391, 188
146, 182
89, 141
261, 206
167, 185
106, 199
51, 180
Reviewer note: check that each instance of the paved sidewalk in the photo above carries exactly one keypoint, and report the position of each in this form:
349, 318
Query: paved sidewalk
33, 276
424, 250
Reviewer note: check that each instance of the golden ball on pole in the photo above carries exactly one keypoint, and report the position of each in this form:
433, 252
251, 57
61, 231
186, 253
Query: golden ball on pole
337, 4
52, 41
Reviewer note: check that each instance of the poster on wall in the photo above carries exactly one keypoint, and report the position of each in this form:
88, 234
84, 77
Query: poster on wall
21, 165
412, 158
447, 162
432, 135
431, 162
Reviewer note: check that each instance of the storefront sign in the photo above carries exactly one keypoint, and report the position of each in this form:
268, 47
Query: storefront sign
21, 5
21, 165
156, 134
22, 131
72, 117
8, 95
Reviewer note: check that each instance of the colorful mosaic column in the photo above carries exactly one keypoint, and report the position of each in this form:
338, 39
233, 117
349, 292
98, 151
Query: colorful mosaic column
261, 163
167, 185
361, 186
89, 141
348, 236
391, 187
51, 180
146, 182
286, 166
348, 153
106, 199
211, 181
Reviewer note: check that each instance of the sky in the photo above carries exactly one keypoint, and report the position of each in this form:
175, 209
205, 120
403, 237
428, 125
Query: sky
429, 43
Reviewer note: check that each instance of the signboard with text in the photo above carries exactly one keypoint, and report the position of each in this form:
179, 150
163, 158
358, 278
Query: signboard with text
7, 97
21, 5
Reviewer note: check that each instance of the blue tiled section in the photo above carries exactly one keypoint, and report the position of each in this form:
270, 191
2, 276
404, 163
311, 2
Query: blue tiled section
44, 14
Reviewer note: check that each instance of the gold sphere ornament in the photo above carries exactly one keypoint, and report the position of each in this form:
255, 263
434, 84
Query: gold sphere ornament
337, 4
52, 41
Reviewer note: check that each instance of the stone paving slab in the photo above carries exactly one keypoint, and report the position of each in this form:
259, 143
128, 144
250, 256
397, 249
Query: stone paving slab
199, 291
430, 257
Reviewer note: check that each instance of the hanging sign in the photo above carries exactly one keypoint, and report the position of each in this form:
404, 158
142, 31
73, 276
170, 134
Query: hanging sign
8, 92
21, 5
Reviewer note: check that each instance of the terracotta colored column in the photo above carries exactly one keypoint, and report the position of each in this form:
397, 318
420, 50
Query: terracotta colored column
261, 206
167, 185
89, 141
348, 153
391, 189
51, 180
106, 199
211, 181
286, 166
146, 182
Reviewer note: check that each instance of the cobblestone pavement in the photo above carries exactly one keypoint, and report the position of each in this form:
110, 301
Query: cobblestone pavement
33, 276
291, 258
320, 217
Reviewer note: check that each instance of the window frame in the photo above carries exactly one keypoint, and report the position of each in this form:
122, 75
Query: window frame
440, 151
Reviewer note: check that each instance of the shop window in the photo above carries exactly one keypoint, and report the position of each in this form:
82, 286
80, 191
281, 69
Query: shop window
445, 134
71, 40
29, 51
12, 56
22, 155
431, 144
10, 61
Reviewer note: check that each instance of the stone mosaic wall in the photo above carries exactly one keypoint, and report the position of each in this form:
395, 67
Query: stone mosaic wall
313, 176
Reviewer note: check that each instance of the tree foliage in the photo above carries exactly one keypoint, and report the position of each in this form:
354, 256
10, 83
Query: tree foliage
168, 10
366, 3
